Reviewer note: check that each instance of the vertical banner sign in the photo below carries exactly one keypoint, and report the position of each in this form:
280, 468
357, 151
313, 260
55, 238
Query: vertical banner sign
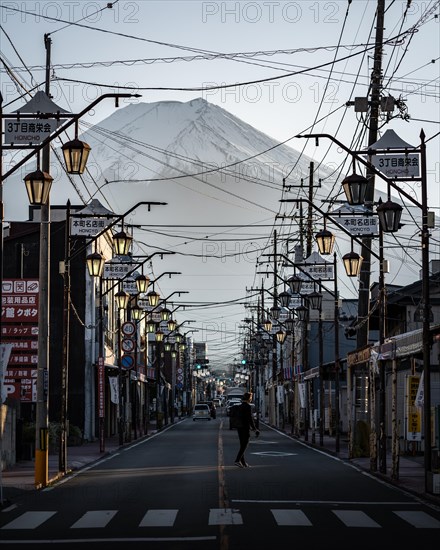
302, 394
101, 388
19, 329
413, 413
5, 352
114, 389
420, 396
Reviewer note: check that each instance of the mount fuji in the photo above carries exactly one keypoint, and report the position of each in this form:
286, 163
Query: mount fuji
195, 154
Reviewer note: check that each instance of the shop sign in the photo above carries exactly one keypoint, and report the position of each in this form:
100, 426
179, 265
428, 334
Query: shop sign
101, 387
395, 165
29, 130
116, 270
413, 413
359, 225
358, 357
87, 227
19, 300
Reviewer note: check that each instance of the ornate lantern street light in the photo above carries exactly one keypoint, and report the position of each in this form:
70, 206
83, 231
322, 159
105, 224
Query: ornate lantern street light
75, 154
295, 284
284, 298
315, 300
122, 299
159, 336
38, 185
281, 336
167, 346
290, 323
325, 240
267, 325
95, 264
142, 282
166, 315
275, 312
136, 312
352, 263
355, 188
302, 313
122, 242
389, 216
153, 298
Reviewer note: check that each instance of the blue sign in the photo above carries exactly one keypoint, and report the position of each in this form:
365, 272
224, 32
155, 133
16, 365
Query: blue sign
127, 362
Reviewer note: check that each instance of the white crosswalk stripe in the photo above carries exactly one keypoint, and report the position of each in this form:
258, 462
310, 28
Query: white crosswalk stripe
291, 517
355, 518
29, 520
99, 519
419, 519
159, 518
94, 519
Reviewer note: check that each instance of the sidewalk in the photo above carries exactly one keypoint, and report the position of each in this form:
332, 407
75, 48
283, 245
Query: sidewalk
20, 478
411, 470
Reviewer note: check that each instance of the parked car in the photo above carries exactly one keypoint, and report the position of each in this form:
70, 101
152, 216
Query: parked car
201, 411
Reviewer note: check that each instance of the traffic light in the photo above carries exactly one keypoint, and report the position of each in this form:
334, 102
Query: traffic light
243, 361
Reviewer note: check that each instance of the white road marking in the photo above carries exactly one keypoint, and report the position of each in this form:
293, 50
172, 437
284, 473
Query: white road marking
94, 519
225, 516
274, 453
29, 520
107, 539
291, 517
355, 518
419, 519
159, 518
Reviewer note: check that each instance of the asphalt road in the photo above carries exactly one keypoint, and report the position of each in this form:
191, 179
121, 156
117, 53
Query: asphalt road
180, 490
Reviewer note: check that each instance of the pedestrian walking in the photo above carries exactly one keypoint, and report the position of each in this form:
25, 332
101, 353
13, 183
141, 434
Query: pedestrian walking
244, 426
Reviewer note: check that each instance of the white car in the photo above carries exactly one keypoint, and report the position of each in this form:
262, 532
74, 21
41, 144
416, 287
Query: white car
201, 412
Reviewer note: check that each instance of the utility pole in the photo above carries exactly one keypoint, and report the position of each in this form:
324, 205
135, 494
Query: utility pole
274, 338
62, 457
42, 406
309, 239
376, 83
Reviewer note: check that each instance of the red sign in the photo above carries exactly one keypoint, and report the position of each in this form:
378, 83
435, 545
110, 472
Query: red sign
12, 331
20, 300
19, 327
21, 372
22, 359
23, 345
24, 389
21, 383
101, 388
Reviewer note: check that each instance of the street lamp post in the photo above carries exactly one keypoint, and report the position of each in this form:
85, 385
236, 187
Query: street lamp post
355, 187
95, 266
325, 240
38, 185
393, 213
122, 299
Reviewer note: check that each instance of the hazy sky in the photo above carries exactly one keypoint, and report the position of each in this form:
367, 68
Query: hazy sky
284, 67
127, 38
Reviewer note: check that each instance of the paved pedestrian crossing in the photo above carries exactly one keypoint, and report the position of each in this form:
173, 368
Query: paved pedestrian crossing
100, 519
